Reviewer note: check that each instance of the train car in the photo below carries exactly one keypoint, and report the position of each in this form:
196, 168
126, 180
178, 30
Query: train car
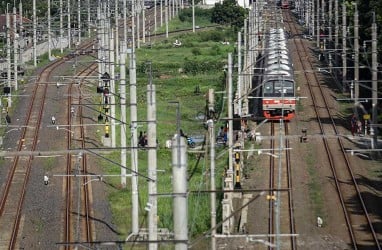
278, 85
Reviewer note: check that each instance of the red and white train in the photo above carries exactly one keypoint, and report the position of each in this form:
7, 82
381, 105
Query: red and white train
278, 85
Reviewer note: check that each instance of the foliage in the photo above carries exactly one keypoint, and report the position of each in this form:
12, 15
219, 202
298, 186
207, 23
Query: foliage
229, 13
185, 15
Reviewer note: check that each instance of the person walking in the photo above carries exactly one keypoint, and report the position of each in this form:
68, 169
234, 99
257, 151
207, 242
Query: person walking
359, 127
353, 124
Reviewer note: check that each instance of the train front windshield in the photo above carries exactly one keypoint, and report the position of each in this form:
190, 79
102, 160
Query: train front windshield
279, 88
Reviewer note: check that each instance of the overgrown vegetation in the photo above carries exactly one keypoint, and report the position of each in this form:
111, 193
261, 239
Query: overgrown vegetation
182, 74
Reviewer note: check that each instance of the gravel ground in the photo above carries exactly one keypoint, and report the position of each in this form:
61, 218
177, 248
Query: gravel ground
42, 217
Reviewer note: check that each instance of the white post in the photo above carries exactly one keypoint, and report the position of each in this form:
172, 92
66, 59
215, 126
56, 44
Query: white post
34, 34
49, 34
15, 47
179, 184
112, 89
123, 114
211, 129
134, 144
152, 166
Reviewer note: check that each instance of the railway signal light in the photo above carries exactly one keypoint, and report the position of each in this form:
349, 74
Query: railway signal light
100, 117
7, 90
105, 78
107, 130
237, 176
237, 157
99, 89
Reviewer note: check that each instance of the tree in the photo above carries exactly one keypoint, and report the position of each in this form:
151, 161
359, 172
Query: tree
229, 13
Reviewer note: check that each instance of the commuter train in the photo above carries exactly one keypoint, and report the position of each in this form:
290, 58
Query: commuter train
278, 85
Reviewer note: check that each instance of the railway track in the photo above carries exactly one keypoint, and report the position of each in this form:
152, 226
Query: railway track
78, 223
356, 217
15, 187
281, 214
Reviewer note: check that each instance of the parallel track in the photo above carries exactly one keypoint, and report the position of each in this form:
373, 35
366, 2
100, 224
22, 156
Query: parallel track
359, 225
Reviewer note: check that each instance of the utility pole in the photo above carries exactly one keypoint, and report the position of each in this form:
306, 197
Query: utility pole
79, 21
21, 60
34, 34
193, 16
69, 26
344, 61
134, 144
166, 16
125, 21
143, 25
62, 26
49, 34
228, 181
179, 184
112, 88
239, 76
356, 56
89, 21
211, 132
9, 57
374, 80
152, 159
117, 57
123, 114
15, 48
318, 23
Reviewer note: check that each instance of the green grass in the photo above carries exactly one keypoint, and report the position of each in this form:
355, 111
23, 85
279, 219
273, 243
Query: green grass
173, 83
314, 185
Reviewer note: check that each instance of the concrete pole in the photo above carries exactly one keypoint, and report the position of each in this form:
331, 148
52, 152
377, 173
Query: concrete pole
374, 80
317, 23
245, 53
100, 31
166, 16
123, 114
330, 21
62, 27
230, 114
211, 130
79, 20
344, 61
336, 30
112, 89
193, 16
125, 21
8, 21
155, 17
49, 33
15, 48
21, 50
356, 55
134, 144
161, 12
239, 76
89, 20
34, 34
143, 25
179, 184
152, 166
138, 11
69, 28
133, 12
116, 32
